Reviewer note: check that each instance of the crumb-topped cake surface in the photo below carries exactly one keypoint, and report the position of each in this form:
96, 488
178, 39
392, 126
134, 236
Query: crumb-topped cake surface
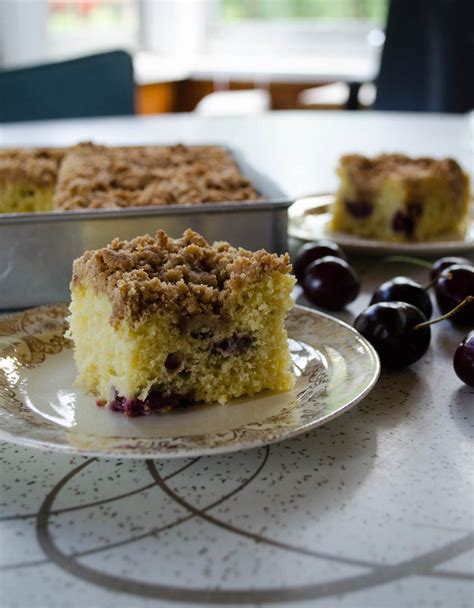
37, 165
90, 176
99, 177
148, 274
28, 178
368, 173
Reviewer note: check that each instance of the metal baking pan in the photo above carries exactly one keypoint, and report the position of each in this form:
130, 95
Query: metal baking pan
37, 249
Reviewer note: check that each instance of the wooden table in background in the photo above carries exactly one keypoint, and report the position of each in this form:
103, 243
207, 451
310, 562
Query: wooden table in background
166, 85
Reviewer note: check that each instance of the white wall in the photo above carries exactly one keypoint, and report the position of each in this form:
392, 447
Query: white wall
23, 32
176, 28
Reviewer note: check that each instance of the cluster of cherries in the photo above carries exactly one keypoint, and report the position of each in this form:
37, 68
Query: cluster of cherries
397, 322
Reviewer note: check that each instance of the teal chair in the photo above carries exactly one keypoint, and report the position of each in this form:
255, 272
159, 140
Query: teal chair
96, 85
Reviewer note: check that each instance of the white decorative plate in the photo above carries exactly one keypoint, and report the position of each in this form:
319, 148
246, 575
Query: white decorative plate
309, 221
40, 406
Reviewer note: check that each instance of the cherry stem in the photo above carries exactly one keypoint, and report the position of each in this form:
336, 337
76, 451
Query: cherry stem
408, 260
449, 314
431, 284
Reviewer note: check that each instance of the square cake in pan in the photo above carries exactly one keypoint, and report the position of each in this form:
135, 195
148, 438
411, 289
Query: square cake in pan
88, 176
158, 322
396, 198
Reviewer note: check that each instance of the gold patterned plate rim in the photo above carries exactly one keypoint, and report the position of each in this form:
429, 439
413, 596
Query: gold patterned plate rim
39, 407
309, 217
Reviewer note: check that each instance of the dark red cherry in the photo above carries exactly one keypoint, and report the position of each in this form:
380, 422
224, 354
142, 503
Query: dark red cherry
404, 289
446, 262
464, 359
309, 252
330, 283
390, 328
454, 284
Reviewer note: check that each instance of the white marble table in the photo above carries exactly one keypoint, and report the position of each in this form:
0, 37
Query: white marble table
373, 509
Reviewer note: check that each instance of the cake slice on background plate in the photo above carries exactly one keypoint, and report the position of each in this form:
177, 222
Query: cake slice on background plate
396, 198
159, 322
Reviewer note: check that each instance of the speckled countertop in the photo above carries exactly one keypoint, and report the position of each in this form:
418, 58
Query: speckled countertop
373, 509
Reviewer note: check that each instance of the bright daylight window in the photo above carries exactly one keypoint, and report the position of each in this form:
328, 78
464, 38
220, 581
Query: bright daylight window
77, 27
340, 27
297, 26
344, 36
373, 10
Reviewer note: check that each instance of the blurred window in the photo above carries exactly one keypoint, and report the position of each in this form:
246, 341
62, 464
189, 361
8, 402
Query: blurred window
344, 32
76, 27
373, 10
299, 27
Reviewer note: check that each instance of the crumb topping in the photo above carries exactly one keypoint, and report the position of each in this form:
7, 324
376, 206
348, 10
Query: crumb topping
100, 177
38, 166
367, 174
185, 275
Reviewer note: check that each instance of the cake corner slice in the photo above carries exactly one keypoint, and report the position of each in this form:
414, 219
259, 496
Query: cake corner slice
158, 322
393, 197
27, 179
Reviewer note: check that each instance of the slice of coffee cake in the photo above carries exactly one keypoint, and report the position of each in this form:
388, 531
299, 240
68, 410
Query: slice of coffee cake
157, 322
396, 198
